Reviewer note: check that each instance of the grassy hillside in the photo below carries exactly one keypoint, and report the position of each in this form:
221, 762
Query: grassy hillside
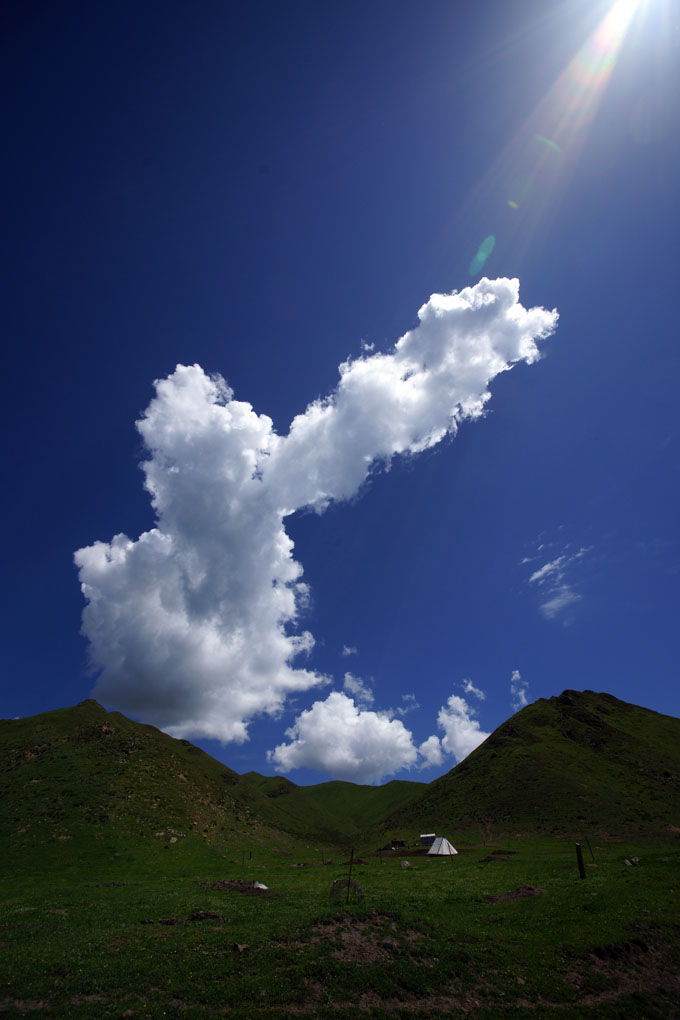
579, 763
336, 811
83, 784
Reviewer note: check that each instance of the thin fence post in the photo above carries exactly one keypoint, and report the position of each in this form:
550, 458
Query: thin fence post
579, 858
349, 878
590, 848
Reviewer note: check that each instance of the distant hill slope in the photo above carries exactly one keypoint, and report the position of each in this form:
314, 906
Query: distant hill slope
336, 810
579, 763
83, 783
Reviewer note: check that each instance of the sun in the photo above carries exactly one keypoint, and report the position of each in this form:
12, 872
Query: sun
616, 22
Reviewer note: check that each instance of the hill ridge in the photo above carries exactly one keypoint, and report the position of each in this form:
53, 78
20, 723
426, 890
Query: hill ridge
84, 781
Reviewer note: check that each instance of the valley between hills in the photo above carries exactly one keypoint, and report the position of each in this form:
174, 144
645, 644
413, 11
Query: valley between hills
141, 877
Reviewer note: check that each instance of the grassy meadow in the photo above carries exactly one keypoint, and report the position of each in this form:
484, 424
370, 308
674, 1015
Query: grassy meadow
129, 857
170, 937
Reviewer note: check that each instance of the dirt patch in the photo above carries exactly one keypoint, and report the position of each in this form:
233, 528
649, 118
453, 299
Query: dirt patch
515, 894
24, 1005
199, 915
374, 939
643, 964
240, 885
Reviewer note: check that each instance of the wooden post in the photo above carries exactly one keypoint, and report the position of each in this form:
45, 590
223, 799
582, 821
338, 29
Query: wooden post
579, 858
349, 877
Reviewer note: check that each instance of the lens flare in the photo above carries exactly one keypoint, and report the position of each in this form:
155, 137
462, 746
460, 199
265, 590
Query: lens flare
549, 142
485, 249
527, 181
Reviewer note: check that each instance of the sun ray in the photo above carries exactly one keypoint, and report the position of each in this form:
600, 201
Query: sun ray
523, 187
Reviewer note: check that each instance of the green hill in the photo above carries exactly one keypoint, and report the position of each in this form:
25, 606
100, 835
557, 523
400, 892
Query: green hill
334, 811
83, 784
581, 763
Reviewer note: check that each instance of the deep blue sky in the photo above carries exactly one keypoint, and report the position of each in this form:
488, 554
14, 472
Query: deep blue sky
261, 188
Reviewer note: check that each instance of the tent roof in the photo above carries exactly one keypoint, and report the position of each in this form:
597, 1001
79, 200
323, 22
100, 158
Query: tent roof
441, 846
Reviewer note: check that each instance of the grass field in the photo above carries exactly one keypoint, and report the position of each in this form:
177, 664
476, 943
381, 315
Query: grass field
136, 938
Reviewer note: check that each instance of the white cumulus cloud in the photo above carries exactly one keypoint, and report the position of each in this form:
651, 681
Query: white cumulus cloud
339, 738
344, 738
462, 732
195, 625
431, 751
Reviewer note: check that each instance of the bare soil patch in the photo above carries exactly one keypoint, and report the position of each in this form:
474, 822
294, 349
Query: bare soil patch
199, 915
515, 894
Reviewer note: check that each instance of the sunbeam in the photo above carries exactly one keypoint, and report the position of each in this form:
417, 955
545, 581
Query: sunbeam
522, 189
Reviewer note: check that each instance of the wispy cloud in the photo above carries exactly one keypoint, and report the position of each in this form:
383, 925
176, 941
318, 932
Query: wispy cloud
409, 704
555, 583
197, 625
519, 691
358, 689
470, 688
348, 650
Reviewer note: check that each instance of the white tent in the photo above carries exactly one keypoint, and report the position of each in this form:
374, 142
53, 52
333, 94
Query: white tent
441, 847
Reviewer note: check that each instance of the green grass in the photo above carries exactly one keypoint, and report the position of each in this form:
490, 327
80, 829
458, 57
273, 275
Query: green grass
336, 811
424, 941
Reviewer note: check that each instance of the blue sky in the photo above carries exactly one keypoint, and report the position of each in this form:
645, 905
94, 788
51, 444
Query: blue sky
268, 192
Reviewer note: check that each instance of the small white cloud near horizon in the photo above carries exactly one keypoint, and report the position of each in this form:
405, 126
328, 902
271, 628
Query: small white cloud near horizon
358, 689
519, 691
343, 738
557, 592
197, 625
338, 737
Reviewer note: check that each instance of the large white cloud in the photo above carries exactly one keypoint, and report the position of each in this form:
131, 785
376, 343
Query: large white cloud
339, 738
348, 740
194, 625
